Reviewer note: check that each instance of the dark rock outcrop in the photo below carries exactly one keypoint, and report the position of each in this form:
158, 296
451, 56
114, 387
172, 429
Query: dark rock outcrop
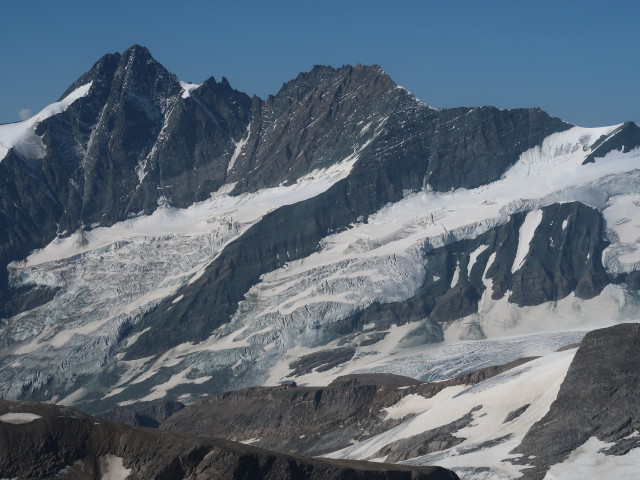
511, 416
321, 361
63, 443
27, 297
150, 416
387, 379
600, 397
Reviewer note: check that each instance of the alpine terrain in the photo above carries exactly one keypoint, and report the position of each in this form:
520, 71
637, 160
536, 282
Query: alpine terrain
338, 271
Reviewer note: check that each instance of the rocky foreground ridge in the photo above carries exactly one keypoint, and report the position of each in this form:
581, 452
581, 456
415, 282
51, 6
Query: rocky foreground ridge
594, 400
47, 441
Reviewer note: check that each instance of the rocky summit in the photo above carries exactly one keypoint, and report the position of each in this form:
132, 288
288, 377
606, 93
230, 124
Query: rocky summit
166, 245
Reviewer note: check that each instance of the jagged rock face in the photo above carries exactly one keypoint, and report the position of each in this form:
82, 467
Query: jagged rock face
130, 122
473, 147
190, 159
151, 141
315, 120
46, 441
603, 380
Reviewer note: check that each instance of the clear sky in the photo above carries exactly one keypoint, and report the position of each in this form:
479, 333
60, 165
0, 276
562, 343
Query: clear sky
578, 60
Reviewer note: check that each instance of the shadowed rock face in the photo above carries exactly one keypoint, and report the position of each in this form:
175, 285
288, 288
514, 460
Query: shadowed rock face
63, 443
151, 416
598, 398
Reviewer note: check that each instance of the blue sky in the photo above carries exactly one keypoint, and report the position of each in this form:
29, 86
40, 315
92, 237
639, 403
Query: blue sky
579, 60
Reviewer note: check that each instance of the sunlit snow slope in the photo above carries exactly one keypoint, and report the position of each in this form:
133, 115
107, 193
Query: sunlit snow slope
487, 436
22, 136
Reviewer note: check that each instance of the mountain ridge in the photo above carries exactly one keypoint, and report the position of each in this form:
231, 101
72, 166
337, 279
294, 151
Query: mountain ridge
233, 192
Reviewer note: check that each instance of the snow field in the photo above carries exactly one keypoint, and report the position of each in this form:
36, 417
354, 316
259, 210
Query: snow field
587, 462
535, 383
16, 418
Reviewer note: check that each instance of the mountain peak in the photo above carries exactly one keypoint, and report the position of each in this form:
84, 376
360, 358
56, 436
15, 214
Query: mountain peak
106, 67
138, 61
101, 71
137, 50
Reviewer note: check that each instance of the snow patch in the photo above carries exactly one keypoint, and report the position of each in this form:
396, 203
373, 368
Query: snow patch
249, 441
187, 88
414, 403
456, 275
239, 145
19, 418
525, 235
473, 257
112, 467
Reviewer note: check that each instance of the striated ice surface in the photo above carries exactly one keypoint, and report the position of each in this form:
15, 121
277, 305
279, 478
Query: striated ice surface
108, 277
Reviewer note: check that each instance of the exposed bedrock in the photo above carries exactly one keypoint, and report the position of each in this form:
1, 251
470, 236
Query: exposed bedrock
600, 397
47, 441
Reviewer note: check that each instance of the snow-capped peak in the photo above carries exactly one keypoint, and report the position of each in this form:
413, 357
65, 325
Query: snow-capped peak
21, 135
